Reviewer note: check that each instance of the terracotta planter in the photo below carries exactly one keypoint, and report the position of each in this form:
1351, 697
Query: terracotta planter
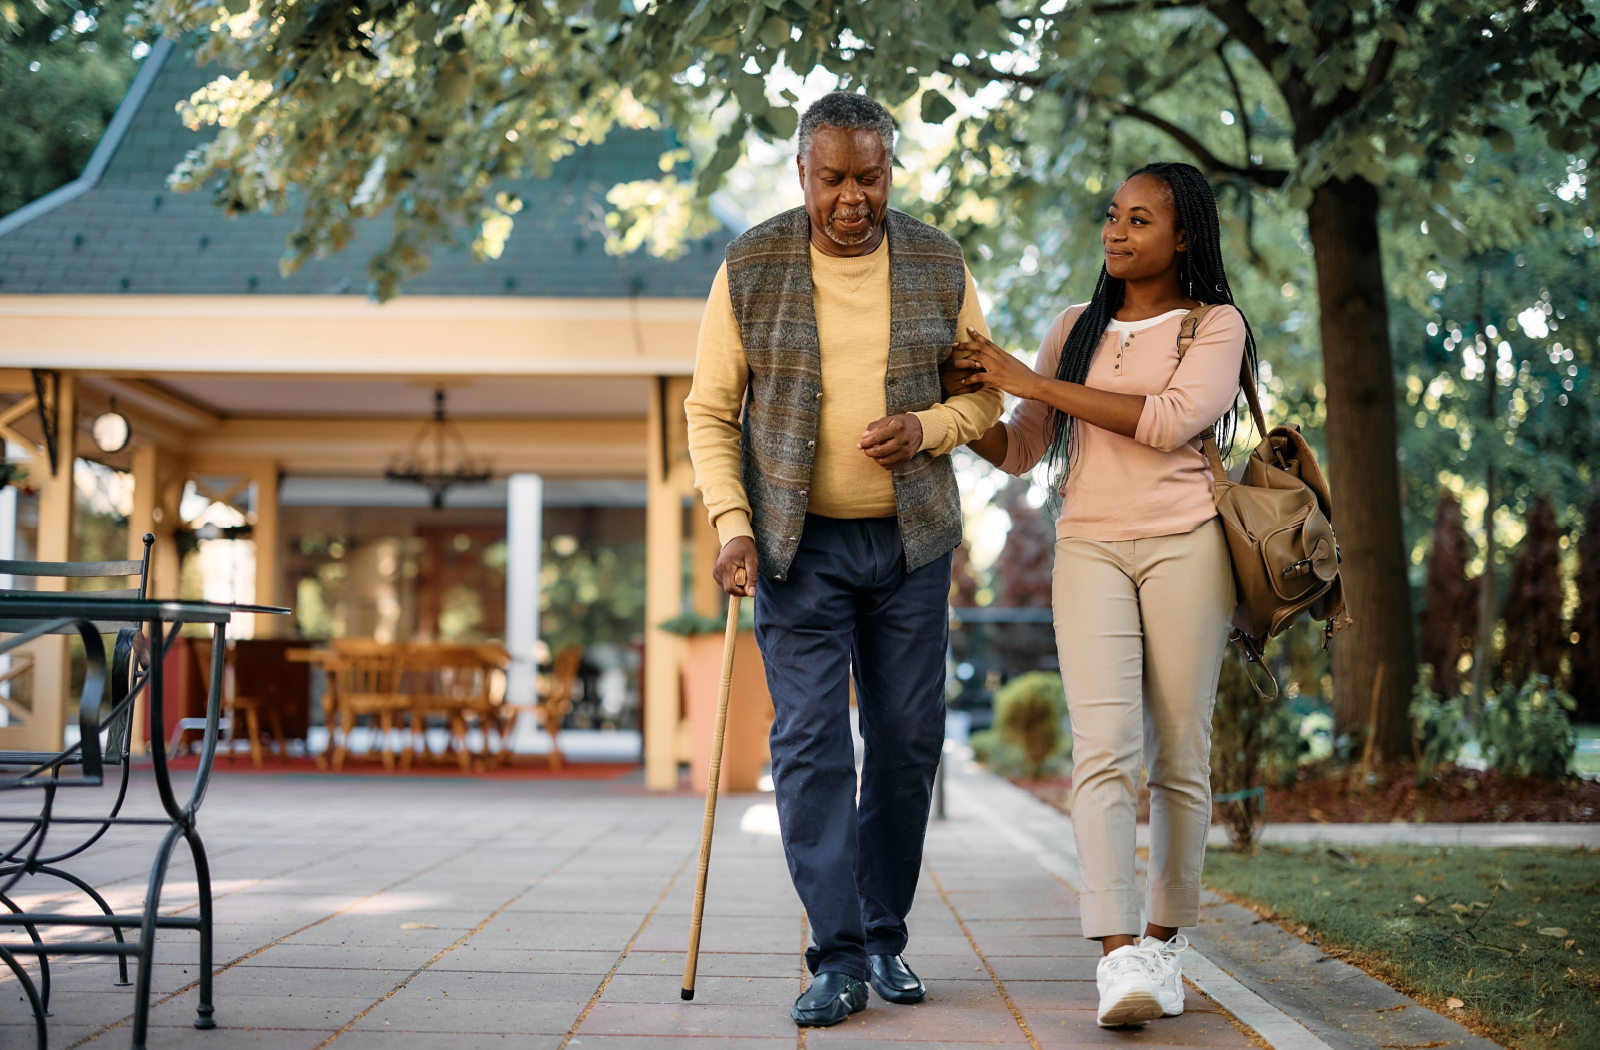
744, 749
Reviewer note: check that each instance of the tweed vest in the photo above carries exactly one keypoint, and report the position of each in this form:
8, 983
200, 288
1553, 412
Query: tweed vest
769, 281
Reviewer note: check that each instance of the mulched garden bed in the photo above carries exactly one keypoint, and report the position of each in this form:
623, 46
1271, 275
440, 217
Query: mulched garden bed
1343, 796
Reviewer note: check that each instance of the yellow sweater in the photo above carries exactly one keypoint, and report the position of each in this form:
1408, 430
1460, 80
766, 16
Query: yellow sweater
851, 299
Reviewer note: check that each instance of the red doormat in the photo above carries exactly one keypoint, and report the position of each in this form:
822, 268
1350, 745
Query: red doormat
524, 767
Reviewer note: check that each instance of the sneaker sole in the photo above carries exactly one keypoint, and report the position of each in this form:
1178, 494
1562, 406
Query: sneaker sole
1136, 1007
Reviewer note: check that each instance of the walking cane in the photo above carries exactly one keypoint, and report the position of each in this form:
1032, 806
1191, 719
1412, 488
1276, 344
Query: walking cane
728, 639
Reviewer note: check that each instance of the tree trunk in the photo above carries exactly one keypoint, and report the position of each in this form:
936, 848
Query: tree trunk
1374, 661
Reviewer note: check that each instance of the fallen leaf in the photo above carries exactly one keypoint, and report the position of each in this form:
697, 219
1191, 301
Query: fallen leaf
1570, 943
1520, 922
1553, 931
1420, 899
417, 926
1454, 1004
1459, 907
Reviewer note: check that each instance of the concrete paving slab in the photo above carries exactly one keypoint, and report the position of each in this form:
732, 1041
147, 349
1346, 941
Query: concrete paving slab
723, 964
554, 916
414, 1011
391, 1040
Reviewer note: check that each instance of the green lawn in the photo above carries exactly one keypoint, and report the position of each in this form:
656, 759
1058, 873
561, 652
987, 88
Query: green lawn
1512, 933
1587, 761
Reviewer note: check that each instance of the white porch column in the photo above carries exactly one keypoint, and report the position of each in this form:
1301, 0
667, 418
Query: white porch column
524, 534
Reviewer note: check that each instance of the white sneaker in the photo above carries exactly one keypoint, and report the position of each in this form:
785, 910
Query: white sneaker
1171, 975
1129, 980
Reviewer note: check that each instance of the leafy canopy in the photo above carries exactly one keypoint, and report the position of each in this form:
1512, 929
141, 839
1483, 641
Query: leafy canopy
64, 66
422, 106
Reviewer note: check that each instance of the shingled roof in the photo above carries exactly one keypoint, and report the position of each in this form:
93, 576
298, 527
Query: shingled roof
120, 230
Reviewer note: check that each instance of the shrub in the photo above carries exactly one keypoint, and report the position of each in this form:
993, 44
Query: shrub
1027, 738
1440, 726
1249, 734
1522, 729
1525, 730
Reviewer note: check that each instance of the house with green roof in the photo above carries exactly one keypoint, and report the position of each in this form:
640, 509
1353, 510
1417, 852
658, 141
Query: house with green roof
287, 405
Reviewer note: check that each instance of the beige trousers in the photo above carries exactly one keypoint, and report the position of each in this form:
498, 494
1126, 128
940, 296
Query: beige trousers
1141, 626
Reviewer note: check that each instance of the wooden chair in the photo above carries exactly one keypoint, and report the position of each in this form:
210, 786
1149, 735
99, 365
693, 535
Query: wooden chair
233, 705
453, 681
557, 702
260, 694
365, 684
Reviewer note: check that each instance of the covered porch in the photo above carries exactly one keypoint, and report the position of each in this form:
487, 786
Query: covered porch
267, 485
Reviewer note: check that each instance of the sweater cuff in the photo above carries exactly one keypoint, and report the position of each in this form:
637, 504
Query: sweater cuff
733, 524
935, 429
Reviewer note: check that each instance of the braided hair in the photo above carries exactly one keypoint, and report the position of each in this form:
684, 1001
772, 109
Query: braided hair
1201, 277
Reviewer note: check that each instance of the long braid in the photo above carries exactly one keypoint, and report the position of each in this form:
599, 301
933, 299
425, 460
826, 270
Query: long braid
1201, 277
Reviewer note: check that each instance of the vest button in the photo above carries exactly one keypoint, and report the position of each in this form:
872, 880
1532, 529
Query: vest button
819, 395
811, 444
802, 492
793, 539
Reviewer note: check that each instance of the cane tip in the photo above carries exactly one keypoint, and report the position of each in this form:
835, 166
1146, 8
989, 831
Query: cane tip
687, 993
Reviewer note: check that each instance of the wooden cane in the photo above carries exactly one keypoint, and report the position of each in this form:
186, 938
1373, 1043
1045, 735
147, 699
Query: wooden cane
729, 637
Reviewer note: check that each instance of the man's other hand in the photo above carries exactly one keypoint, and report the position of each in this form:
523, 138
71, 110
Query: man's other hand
960, 373
892, 439
738, 553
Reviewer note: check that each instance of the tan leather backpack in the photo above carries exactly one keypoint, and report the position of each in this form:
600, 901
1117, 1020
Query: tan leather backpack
1278, 518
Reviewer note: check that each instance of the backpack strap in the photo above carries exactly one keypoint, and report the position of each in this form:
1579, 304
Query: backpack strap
1247, 382
1189, 326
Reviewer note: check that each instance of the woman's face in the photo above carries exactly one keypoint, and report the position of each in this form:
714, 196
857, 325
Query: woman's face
1141, 235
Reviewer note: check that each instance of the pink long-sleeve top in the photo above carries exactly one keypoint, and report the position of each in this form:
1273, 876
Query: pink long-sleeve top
1156, 483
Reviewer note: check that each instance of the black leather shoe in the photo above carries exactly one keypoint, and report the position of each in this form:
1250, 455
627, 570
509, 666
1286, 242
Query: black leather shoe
893, 980
830, 998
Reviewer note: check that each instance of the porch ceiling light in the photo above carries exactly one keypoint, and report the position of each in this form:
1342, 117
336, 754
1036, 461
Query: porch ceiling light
111, 430
438, 479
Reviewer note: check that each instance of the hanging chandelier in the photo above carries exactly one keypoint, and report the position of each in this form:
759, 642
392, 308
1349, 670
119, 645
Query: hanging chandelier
438, 432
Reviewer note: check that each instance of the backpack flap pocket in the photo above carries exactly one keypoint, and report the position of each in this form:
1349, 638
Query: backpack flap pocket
1298, 556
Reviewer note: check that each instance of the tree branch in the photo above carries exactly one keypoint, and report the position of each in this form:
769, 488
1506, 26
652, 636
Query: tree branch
1269, 178
1142, 5
1210, 163
1383, 57
1238, 100
1248, 30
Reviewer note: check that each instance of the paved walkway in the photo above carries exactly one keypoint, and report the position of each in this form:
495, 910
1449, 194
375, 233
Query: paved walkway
401, 913
1293, 995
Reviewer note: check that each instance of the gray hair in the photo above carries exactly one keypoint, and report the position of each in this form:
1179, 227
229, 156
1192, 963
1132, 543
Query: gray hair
847, 111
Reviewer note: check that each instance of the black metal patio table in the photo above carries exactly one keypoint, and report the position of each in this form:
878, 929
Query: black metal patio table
137, 666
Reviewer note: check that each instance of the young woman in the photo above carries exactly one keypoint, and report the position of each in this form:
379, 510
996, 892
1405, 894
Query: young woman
1143, 589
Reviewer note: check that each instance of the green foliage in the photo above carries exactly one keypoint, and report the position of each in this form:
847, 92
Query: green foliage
1027, 738
1510, 932
1253, 740
1440, 727
688, 624
1522, 729
1525, 730
592, 594
421, 108
64, 66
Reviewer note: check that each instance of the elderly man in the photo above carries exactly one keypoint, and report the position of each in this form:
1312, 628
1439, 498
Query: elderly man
826, 326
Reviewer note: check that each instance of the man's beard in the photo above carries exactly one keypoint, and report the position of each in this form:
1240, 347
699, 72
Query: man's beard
860, 211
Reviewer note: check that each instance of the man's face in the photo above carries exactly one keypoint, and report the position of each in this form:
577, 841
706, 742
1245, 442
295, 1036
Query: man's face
846, 179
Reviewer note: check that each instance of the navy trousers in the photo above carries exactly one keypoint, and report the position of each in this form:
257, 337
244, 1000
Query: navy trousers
849, 604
